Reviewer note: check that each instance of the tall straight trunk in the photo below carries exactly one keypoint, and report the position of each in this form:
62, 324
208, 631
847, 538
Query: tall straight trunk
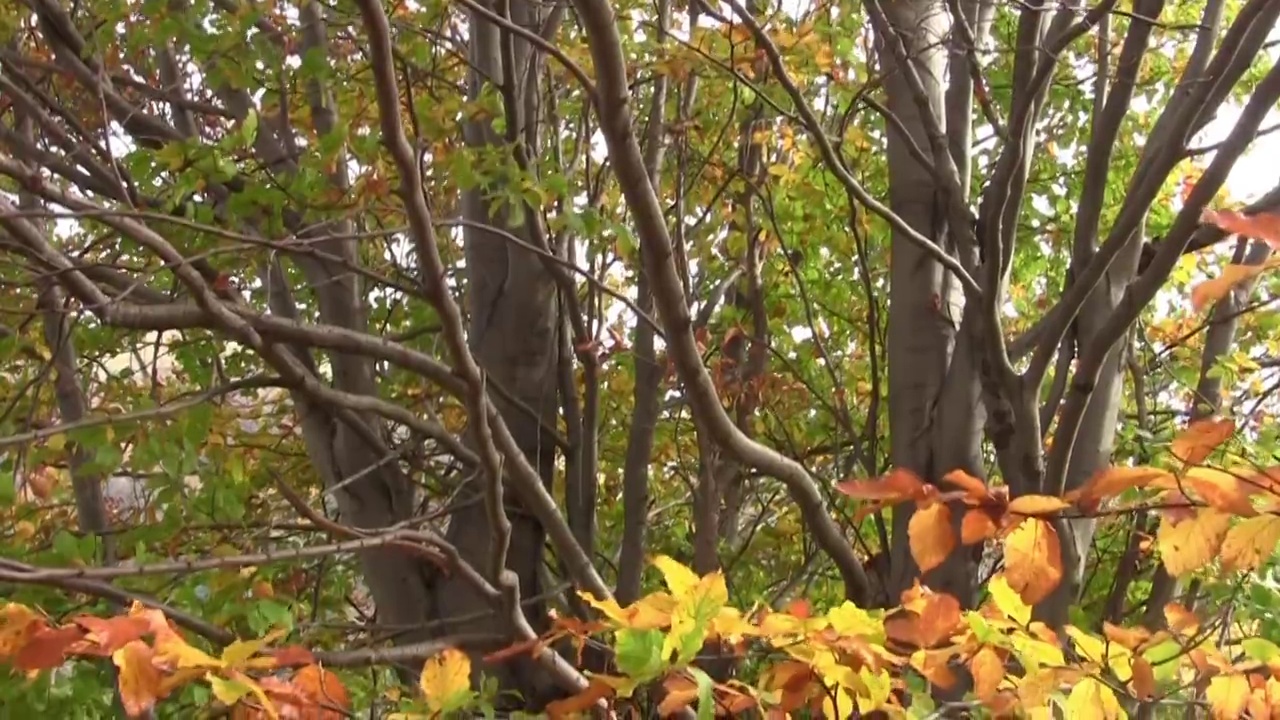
511, 298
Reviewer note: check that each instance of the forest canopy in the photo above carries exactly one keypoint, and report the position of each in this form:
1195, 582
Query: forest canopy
428, 358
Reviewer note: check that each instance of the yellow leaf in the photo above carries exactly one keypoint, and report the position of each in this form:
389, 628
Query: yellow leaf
1037, 505
1210, 292
931, 536
1247, 545
1201, 438
239, 651
175, 650
228, 691
1227, 696
849, 619
446, 678
1033, 560
1193, 543
1092, 700
679, 578
988, 671
1008, 601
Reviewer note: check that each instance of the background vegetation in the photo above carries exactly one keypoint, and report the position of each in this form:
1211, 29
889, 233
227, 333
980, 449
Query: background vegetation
853, 359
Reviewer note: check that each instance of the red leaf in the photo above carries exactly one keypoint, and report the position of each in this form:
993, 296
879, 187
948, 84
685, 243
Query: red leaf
104, 636
47, 648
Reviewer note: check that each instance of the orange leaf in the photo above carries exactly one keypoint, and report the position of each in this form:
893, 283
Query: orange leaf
1144, 679
104, 636
988, 671
1180, 619
1037, 505
1201, 438
1209, 292
1262, 226
292, 656
17, 623
681, 693
895, 487
972, 486
140, 681
1130, 638
569, 707
324, 690
1221, 490
976, 526
940, 618
1033, 560
931, 536
1113, 481
47, 648
934, 665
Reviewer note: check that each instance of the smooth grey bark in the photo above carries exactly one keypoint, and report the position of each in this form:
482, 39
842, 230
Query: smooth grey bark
513, 332
934, 422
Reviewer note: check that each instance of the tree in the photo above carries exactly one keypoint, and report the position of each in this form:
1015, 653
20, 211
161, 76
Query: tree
508, 301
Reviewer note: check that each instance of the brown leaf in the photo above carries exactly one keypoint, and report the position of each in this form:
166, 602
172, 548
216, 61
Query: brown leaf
681, 693
1033, 560
1201, 438
931, 536
1130, 638
939, 618
1181, 620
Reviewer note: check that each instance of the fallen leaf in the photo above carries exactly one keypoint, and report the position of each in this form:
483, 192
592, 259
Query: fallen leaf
1250, 543
1201, 438
1033, 560
1191, 544
931, 536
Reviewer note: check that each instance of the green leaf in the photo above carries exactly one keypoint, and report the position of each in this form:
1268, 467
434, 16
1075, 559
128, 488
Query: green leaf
639, 652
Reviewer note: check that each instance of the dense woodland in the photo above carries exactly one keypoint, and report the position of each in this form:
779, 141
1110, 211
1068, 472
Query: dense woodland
429, 358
